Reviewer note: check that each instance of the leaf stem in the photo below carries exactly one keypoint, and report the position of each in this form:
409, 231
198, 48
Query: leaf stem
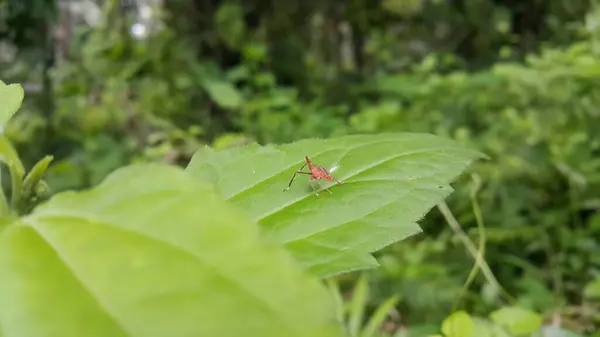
17, 184
474, 251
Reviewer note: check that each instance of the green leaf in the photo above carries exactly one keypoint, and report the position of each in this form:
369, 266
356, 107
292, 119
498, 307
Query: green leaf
459, 324
223, 93
211, 78
518, 321
392, 181
485, 328
592, 290
35, 174
379, 316
336, 295
357, 305
33, 179
11, 97
151, 253
9, 156
230, 24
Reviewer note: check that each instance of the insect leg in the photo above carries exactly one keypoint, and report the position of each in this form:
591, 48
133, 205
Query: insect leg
299, 171
312, 183
316, 182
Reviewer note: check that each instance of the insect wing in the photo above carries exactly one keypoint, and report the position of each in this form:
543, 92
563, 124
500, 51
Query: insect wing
333, 168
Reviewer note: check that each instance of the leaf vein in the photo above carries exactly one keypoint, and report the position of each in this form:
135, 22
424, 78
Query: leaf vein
350, 175
63, 213
101, 305
252, 186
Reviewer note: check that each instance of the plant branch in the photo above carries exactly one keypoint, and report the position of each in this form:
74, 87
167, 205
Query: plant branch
474, 251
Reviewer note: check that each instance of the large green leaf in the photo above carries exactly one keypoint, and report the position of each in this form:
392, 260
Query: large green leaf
392, 180
151, 252
11, 97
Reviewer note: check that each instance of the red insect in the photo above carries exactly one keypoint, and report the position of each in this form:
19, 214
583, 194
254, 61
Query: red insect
316, 173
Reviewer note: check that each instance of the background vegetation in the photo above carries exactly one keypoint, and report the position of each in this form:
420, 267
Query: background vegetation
114, 83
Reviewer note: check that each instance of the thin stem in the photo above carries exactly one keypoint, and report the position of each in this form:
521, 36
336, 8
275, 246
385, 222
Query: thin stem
4, 209
482, 240
17, 184
470, 246
338, 301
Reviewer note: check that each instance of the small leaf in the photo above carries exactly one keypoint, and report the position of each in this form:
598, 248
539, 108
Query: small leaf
592, 290
459, 324
379, 316
223, 93
230, 24
357, 305
392, 181
211, 78
151, 252
33, 186
334, 290
11, 97
518, 321
35, 175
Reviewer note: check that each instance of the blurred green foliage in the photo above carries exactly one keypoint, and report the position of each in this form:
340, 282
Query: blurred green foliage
519, 80
536, 122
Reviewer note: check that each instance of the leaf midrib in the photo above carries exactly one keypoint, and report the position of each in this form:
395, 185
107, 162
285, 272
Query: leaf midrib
335, 148
62, 214
352, 174
102, 307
